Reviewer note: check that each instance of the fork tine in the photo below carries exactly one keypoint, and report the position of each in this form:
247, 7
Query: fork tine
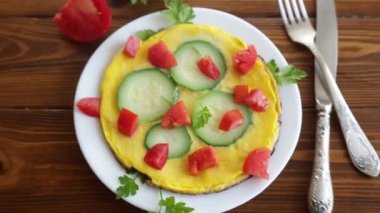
296, 10
303, 9
289, 11
283, 13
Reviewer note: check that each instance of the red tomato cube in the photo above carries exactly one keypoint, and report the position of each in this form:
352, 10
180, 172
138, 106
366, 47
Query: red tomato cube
132, 46
231, 120
202, 159
127, 122
157, 156
89, 106
160, 56
176, 116
208, 68
256, 163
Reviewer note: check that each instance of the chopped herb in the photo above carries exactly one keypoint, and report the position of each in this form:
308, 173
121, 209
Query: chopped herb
171, 206
134, 2
290, 74
128, 187
145, 34
293, 74
201, 118
178, 12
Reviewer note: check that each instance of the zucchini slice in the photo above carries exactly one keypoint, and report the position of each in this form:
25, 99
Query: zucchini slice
219, 103
187, 73
146, 93
178, 139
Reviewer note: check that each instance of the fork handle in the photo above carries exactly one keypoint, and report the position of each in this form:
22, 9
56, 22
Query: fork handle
321, 192
362, 153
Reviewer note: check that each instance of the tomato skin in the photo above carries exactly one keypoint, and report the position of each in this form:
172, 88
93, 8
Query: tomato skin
157, 156
257, 101
208, 68
127, 122
89, 106
160, 56
240, 93
202, 159
176, 116
256, 163
245, 59
84, 20
231, 120
132, 45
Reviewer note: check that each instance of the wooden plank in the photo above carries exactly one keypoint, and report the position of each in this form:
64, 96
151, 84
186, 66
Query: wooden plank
42, 71
243, 8
42, 169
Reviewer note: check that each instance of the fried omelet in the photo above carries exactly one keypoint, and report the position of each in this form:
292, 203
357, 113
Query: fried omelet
262, 130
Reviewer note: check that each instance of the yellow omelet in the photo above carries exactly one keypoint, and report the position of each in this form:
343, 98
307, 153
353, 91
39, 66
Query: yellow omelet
130, 151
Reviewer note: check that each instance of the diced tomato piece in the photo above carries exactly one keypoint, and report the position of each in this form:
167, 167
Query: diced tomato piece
240, 93
202, 159
257, 101
84, 20
207, 66
89, 106
132, 46
127, 122
160, 56
244, 60
231, 120
157, 155
176, 116
256, 163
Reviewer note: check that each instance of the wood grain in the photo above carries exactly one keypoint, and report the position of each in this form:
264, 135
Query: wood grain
42, 168
33, 67
245, 8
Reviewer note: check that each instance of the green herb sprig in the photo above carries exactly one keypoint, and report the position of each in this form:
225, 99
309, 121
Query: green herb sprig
201, 118
171, 206
178, 12
290, 74
128, 186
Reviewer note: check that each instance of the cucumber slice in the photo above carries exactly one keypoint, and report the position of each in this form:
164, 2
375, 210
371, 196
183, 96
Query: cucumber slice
178, 139
219, 103
147, 93
187, 73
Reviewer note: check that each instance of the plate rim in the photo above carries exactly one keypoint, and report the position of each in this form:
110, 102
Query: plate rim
78, 117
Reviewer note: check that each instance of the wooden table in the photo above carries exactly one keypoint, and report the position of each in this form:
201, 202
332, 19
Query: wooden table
43, 170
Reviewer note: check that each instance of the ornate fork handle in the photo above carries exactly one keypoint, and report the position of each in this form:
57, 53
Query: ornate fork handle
321, 196
362, 153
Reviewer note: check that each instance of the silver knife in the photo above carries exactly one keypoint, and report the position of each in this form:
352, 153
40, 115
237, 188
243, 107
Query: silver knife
321, 198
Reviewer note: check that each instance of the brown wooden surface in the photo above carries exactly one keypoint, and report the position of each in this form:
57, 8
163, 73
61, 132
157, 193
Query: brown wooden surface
43, 170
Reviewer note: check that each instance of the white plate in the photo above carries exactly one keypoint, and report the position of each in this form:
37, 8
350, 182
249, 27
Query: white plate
106, 167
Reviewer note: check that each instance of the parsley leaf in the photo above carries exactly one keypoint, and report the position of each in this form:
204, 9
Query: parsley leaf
290, 75
178, 12
134, 2
128, 187
293, 74
201, 118
145, 34
172, 207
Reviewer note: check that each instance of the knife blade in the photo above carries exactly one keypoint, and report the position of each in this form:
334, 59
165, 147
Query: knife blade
321, 197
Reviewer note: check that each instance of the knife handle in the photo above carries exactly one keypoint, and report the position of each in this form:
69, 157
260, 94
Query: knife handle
362, 153
321, 197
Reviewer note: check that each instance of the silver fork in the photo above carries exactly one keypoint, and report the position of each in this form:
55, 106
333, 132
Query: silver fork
300, 30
